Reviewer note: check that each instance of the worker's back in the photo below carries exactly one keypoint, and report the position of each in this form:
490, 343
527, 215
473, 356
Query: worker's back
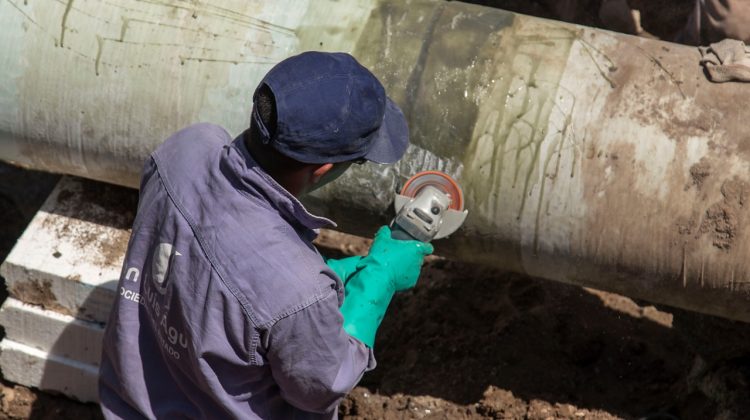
219, 253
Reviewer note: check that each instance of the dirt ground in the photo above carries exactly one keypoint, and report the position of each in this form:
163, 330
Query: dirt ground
474, 343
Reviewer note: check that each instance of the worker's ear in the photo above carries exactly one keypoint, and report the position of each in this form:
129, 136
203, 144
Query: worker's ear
320, 172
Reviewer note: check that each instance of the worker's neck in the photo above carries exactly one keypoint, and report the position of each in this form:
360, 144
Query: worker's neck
292, 177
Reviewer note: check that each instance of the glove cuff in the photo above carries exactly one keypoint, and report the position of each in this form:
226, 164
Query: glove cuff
366, 299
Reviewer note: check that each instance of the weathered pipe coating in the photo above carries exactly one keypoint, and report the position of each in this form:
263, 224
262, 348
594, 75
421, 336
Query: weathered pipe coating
586, 157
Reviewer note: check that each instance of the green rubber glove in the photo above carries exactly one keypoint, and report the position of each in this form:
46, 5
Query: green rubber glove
391, 266
344, 267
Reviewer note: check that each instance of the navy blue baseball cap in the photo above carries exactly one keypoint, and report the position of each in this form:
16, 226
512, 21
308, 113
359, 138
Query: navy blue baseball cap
332, 109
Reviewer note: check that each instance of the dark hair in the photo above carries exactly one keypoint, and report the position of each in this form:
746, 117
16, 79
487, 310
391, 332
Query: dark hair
267, 156
266, 105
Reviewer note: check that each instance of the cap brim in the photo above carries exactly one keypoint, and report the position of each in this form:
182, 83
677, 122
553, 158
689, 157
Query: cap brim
392, 138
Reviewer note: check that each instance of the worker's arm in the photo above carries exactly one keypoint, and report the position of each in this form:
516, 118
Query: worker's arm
313, 360
390, 266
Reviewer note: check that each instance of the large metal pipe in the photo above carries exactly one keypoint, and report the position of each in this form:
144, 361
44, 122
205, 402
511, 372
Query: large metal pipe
586, 156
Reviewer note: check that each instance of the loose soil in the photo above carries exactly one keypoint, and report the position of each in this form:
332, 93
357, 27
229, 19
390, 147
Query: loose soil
470, 342
474, 343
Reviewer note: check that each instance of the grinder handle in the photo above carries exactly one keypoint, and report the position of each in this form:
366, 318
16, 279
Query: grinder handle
400, 234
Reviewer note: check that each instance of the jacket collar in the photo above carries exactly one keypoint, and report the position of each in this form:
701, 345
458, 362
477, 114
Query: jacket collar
254, 180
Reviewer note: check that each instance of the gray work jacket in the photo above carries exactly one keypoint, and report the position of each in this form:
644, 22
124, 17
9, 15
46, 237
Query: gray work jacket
225, 308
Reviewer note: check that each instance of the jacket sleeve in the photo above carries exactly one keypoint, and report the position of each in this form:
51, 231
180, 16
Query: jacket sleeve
313, 360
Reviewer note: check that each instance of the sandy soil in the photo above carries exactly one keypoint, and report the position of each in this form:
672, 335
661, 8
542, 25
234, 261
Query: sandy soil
474, 343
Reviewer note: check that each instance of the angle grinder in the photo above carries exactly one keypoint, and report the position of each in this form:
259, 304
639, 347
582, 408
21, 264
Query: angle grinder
430, 206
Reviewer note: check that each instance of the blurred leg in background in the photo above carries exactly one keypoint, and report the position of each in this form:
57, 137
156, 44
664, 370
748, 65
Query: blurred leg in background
714, 20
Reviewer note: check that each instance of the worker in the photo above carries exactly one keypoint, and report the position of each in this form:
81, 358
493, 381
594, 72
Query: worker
615, 15
226, 309
714, 20
710, 20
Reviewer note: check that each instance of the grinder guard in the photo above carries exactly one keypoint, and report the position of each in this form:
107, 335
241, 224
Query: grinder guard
430, 206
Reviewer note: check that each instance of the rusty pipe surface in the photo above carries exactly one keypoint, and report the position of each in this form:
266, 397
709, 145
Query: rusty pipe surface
586, 156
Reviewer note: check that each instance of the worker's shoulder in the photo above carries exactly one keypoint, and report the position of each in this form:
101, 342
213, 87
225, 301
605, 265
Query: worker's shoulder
190, 154
194, 139
203, 131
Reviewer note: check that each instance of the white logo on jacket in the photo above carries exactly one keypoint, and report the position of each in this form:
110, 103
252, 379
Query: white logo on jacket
163, 257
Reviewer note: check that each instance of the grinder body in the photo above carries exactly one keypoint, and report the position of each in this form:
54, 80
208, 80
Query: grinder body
430, 206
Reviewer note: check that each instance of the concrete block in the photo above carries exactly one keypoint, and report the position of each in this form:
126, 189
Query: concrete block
32, 367
69, 258
52, 332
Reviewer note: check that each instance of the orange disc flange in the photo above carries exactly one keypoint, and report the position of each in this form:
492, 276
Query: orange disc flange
439, 180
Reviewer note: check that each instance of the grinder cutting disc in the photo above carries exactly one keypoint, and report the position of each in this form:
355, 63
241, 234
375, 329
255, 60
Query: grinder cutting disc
439, 180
